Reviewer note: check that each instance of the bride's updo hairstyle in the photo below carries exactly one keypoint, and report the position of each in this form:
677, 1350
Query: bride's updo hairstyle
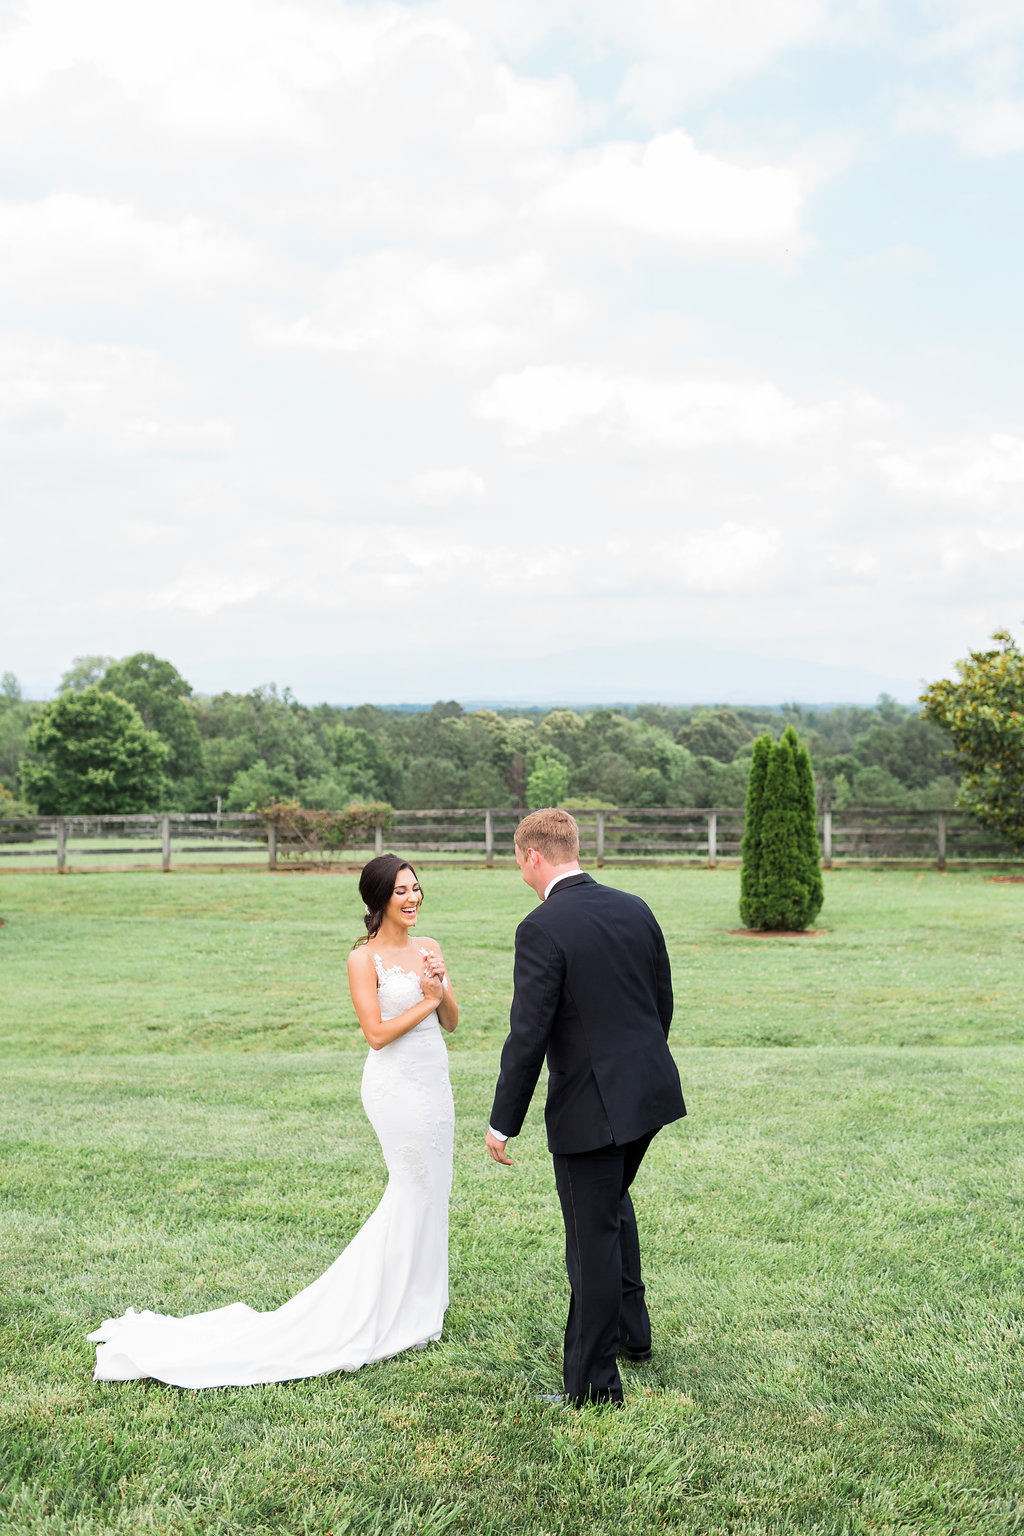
376, 887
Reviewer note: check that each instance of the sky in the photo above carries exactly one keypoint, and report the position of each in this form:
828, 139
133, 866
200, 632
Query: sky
559, 350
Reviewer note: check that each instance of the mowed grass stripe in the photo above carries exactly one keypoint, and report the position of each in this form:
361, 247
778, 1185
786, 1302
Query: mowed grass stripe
147, 962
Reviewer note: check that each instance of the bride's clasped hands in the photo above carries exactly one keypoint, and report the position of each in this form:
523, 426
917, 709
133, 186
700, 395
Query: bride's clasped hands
388, 1290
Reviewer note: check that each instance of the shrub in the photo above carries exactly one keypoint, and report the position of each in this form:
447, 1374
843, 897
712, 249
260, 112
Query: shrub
806, 812
780, 885
750, 852
10, 805
304, 833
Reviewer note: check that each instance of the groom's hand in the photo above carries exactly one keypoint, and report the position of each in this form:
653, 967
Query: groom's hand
496, 1149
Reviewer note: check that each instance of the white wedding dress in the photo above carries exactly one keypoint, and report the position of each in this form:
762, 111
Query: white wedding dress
386, 1292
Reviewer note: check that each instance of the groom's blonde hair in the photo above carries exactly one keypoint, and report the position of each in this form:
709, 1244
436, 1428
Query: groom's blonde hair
552, 832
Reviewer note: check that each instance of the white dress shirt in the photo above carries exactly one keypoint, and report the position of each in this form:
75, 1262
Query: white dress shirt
565, 875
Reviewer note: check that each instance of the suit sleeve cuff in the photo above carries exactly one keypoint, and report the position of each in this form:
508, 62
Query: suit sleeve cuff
496, 1134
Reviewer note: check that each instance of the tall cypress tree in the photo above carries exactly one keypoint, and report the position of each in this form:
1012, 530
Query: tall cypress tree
783, 887
780, 841
808, 814
750, 853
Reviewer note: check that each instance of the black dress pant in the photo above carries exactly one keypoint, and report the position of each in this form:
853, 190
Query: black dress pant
602, 1255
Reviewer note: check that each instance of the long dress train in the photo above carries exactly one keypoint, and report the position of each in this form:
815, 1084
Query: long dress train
386, 1292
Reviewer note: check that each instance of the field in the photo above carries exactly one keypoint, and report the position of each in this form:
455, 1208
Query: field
832, 1238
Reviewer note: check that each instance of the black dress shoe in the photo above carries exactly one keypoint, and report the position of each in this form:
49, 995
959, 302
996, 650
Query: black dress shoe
635, 1356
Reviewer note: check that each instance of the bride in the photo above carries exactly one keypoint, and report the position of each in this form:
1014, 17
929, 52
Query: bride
388, 1290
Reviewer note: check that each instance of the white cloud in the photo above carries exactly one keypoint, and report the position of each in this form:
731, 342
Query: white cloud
98, 401
396, 305
992, 128
985, 126
669, 189
245, 71
235, 69
691, 49
965, 26
65, 379
209, 592
728, 558
67, 246
527, 114
670, 53
447, 488
683, 413
977, 470
975, 51
152, 437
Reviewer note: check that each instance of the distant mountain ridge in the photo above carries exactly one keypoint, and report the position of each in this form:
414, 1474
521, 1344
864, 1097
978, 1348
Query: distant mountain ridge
672, 672
642, 672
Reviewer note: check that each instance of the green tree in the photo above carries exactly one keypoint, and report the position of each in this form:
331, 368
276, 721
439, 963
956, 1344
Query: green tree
806, 812
718, 733
254, 787
431, 783
704, 782
163, 699
548, 784
984, 715
626, 761
364, 768
913, 750
15, 719
750, 850
562, 730
784, 889
84, 672
877, 787
241, 731
484, 785
834, 777
90, 754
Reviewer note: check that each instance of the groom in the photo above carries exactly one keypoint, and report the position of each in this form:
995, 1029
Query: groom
593, 993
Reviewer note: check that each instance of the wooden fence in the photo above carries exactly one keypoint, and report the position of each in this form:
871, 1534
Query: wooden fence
659, 835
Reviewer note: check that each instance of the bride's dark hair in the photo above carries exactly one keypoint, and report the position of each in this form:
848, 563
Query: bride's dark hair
376, 887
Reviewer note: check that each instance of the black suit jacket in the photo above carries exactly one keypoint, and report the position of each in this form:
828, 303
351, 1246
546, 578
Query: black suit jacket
593, 993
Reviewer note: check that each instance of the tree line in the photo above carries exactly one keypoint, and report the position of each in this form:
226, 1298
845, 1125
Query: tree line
131, 734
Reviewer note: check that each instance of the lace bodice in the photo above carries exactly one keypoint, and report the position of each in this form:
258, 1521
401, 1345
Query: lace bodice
399, 989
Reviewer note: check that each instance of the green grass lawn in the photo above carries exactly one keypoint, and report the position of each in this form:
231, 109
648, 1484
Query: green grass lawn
832, 1239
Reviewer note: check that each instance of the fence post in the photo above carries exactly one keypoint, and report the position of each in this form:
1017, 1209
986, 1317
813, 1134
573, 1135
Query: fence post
826, 837
378, 839
165, 835
489, 839
942, 840
600, 840
62, 846
712, 839
271, 845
